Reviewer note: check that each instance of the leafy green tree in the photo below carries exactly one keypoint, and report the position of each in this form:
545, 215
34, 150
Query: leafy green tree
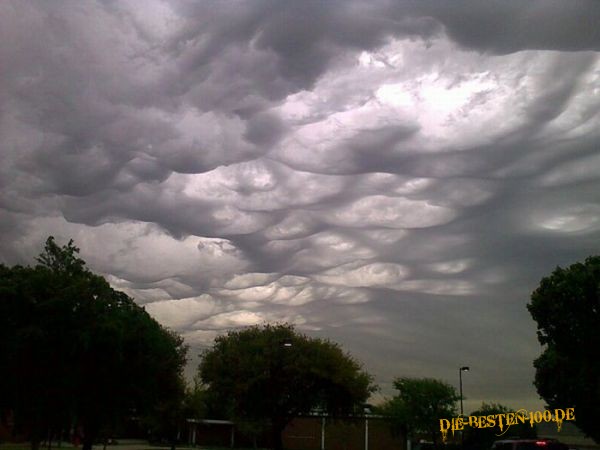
566, 307
36, 350
420, 404
478, 438
77, 346
166, 420
274, 373
168, 415
196, 399
63, 260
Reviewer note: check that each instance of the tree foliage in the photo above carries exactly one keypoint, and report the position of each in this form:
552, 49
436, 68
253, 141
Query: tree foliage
274, 373
478, 438
420, 404
74, 350
164, 421
566, 307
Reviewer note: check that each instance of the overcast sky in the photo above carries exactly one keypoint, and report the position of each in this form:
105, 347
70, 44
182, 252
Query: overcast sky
395, 176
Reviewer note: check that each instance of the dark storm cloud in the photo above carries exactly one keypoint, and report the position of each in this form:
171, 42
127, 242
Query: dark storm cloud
394, 175
509, 26
306, 37
297, 40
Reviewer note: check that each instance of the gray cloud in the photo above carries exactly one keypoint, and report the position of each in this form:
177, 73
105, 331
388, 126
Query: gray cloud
397, 176
508, 26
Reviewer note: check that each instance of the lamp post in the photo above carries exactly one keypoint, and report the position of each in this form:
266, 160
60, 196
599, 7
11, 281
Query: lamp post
460, 371
277, 362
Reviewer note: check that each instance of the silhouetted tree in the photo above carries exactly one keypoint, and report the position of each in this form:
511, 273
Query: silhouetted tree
420, 404
78, 347
566, 307
273, 372
478, 438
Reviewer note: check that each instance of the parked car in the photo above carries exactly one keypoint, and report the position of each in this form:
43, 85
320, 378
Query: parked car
529, 444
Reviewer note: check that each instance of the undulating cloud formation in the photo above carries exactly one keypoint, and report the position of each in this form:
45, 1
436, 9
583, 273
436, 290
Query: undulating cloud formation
393, 175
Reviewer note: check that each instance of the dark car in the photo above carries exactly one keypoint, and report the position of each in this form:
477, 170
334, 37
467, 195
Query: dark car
529, 444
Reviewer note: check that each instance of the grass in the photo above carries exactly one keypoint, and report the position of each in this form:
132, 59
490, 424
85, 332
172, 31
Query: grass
10, 446
69, 446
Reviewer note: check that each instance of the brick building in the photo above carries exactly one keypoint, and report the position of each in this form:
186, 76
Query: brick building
303, 433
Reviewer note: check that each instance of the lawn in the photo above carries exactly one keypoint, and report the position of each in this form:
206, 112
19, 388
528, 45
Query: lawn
68, 446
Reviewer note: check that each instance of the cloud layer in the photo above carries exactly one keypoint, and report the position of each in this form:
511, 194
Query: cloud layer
396, 176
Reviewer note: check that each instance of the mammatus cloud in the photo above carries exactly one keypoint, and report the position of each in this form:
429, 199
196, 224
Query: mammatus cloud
393, 175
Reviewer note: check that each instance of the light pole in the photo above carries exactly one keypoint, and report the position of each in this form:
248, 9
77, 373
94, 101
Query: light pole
460, 371
277, 365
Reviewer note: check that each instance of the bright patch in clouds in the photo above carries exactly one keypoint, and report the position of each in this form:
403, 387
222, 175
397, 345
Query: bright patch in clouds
572, 220
393, 212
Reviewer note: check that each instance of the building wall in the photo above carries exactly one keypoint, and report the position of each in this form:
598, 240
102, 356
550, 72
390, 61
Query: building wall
305, 433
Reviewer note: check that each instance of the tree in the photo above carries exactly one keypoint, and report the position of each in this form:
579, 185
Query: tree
76, 346
478, 438
274, 373
36, 346
566, 307
195, 402
165, 420
420, 404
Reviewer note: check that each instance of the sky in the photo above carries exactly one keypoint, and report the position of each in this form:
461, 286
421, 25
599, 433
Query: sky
396, 176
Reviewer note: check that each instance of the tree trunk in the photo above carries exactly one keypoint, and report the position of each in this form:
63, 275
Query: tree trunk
88, 439
434, 439
173, 434
35, 431
277, 442
276, 432
90, 433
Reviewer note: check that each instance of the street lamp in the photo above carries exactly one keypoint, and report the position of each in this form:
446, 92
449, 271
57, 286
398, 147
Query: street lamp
460, 371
